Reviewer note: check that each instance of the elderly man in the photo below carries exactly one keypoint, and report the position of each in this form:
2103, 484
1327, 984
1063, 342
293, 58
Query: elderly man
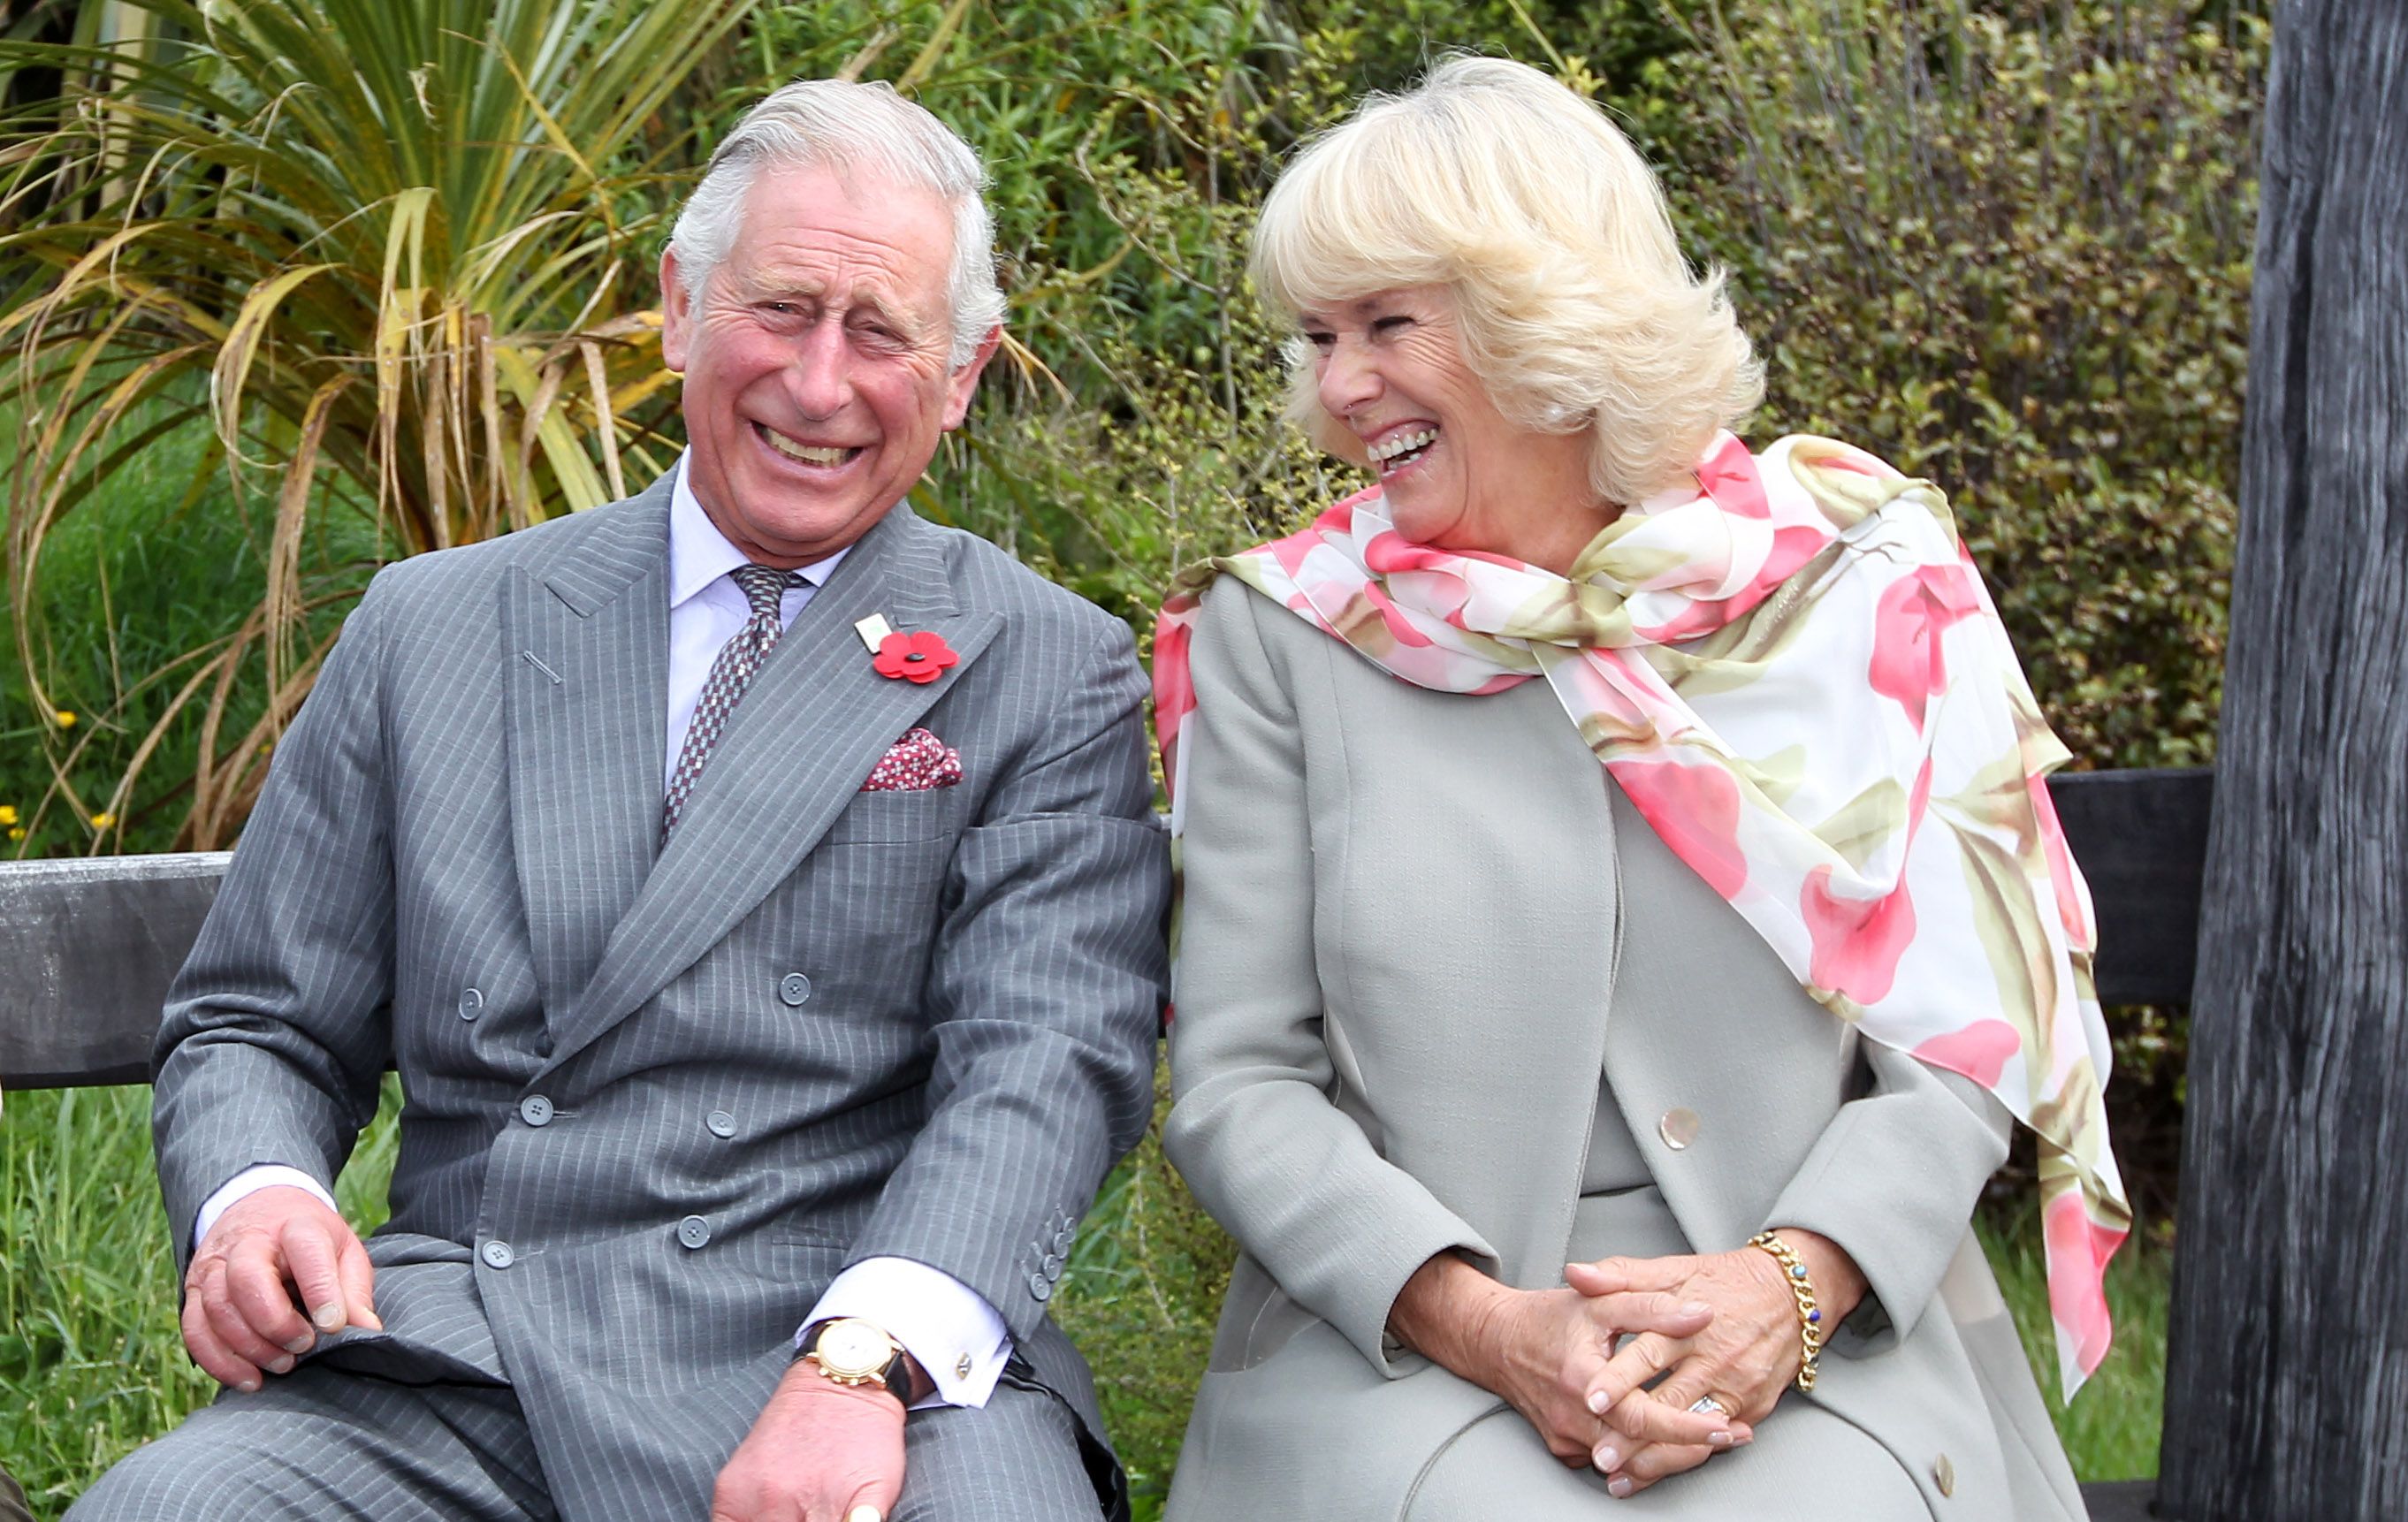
757, 889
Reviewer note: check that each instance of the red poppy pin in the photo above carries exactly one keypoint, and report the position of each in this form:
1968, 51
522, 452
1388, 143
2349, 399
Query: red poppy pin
917, 656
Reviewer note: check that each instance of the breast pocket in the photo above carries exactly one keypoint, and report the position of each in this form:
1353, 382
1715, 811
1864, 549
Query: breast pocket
897, 818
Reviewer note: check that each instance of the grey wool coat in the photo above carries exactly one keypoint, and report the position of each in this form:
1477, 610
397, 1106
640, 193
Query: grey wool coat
1427, 954
657, 1097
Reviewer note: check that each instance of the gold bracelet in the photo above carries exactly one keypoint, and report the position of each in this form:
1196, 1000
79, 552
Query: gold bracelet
1809, 1314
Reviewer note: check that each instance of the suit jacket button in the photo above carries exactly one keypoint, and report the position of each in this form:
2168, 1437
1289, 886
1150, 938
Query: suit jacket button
471, 1002
498, 1253
1943, 1474
694, 1231
794, 988
1062, 1240
1052, 1266
722, 1124
535, 1110
1041, 1288
1679, 1127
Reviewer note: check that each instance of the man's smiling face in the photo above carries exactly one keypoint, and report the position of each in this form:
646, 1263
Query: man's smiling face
816, 360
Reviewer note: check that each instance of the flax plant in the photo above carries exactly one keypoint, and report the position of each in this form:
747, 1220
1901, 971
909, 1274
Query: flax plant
396, 255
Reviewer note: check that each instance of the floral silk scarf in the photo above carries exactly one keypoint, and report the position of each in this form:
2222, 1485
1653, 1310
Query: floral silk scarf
1795, 675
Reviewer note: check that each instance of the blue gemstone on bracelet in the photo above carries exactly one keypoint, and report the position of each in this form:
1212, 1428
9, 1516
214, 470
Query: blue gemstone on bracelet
1814, 1316
1798, 1272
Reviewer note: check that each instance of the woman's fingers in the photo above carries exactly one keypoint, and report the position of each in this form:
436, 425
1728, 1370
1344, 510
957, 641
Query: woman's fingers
1634, 1364
1657, 1310
1619, 1275
1650, 1463
1640, 1417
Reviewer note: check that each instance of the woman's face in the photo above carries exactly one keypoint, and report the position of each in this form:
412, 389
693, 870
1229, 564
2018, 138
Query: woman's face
1389, 367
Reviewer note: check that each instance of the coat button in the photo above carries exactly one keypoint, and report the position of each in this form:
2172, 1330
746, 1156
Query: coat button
471, 1002
1041, 1288
1062, 1240
1679, 1127
498, 1253
1052, 1266
1943, 1474
535, 1110
794, 988
722, 1124
694, 1231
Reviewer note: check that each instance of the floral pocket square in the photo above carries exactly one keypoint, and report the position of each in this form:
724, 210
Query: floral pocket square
918, 761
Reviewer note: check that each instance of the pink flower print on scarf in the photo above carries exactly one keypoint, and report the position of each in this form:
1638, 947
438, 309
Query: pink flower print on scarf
1910, 665
1695, 809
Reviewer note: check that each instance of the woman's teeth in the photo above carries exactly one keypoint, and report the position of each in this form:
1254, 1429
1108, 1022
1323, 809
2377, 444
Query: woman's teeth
1395, 452
804, 452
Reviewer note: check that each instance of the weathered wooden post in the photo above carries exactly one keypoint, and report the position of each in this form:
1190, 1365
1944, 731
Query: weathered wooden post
2287, 1389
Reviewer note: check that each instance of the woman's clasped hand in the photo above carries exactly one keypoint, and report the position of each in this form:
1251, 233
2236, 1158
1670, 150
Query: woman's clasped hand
1743, 1358
1549, 1352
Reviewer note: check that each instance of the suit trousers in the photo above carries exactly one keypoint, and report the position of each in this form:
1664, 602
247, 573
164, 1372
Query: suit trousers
324, 1442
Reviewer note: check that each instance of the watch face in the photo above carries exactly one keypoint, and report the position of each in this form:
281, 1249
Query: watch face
853, 1347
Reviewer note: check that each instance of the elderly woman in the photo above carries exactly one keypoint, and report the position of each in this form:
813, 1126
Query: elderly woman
1611, 858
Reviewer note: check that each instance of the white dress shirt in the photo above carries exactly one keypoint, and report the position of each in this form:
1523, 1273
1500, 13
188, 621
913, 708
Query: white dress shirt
947, 1328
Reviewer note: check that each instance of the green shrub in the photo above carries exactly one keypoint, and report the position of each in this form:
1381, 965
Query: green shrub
2008, 246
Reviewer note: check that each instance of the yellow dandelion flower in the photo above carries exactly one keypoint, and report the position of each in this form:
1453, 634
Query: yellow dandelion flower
7, 813
67, 718
102, 821
18, 833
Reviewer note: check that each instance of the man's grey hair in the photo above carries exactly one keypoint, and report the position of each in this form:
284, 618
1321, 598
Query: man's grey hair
839, 124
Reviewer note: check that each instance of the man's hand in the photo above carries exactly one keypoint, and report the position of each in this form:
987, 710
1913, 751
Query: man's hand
270, 1254
821, 1452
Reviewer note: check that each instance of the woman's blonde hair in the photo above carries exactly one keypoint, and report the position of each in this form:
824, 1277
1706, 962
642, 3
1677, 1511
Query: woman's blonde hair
1577, 309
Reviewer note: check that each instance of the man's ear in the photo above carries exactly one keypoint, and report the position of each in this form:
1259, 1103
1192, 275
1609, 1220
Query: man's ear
677, 313
963, 384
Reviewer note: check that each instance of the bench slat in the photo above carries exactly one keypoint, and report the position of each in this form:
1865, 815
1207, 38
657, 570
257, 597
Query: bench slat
87, 949
88, 946
2140, 836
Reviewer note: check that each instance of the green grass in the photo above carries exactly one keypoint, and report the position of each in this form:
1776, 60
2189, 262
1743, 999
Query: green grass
91, 1363
156, 564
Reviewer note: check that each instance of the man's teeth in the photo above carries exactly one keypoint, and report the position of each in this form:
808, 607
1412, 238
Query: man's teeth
804, 452
1388, 449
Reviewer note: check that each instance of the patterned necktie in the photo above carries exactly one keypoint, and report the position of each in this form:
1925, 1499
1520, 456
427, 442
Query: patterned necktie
730, 674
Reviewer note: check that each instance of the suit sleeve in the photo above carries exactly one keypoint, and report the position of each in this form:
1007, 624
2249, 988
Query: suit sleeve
1893, 1180
1252, 1127
1045, 989
277, 1031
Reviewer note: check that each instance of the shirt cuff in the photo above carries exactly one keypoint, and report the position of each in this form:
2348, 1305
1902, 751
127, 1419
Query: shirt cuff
249, 1182
947, 1328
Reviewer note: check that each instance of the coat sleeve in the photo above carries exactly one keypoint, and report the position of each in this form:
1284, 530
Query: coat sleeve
1252, 1126
1893, 1180
1045, 994
277, 1031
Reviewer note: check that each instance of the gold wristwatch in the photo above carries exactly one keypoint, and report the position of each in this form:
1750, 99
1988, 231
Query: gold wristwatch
852, 1351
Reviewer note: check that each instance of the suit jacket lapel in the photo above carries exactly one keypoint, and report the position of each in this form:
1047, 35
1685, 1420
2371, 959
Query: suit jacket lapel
586, 652
805, 734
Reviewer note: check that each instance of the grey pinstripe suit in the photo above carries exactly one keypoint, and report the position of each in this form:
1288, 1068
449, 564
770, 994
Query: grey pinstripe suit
929, 1016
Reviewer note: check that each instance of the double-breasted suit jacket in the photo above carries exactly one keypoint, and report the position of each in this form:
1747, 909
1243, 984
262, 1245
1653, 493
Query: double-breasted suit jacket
657, 1097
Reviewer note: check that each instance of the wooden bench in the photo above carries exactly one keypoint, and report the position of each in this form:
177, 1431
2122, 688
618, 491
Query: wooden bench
88, 946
